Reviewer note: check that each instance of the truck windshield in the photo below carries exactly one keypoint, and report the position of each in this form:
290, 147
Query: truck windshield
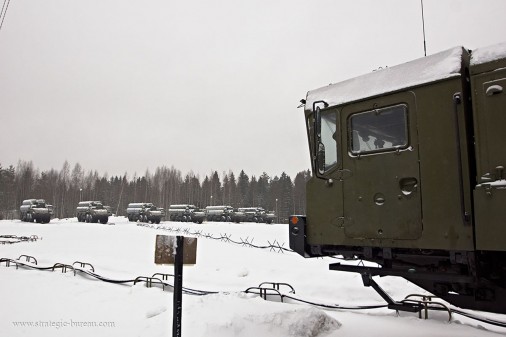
328, 139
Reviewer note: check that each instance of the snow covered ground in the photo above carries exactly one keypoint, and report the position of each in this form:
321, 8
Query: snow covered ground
45, 303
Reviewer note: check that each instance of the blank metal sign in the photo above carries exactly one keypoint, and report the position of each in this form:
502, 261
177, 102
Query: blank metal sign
165, 250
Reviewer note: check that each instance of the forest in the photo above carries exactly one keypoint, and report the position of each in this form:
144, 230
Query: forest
165, 186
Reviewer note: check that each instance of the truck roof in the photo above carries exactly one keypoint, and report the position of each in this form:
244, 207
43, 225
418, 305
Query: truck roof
488, 58
140, 204
440, 66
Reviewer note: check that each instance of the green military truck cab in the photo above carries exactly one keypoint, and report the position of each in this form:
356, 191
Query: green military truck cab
408, 172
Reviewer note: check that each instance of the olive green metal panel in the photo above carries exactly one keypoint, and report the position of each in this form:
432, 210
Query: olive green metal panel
489, 109
444, 166
489, 102
490, 216
382, 196
325, 212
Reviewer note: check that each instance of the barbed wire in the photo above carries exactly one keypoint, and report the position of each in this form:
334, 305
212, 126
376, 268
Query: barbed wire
274, 246
11, 239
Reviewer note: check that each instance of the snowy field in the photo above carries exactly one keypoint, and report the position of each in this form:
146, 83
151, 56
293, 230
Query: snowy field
46, 303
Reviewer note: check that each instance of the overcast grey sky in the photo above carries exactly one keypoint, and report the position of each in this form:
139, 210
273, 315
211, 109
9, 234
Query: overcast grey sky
124, 86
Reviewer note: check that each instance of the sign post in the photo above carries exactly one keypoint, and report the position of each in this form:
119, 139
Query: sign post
176, 250
178, 287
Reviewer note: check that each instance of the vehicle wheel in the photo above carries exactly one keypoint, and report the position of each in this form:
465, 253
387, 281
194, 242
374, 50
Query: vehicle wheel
200, 221
103, 221
158, 221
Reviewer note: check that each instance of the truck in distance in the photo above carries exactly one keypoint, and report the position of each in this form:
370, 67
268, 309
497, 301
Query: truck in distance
186, 213
221, 213
144, 212
92, 211
35, 210
257, 214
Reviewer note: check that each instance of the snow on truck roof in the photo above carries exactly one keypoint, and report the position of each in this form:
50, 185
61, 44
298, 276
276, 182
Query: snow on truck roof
440, 66
488, 54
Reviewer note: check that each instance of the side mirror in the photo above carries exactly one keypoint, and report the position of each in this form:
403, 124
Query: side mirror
320, 158
318, 125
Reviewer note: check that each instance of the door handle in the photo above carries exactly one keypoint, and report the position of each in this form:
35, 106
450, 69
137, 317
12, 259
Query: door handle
408, 185
493, 90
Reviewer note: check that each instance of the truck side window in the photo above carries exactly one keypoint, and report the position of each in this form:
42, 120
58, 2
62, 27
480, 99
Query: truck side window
379, 130
328, 138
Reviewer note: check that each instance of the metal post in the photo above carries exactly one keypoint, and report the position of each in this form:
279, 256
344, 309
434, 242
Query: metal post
423, 27
178, 288
277, 216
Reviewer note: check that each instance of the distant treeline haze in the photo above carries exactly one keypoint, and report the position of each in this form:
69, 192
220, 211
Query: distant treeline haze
166, 186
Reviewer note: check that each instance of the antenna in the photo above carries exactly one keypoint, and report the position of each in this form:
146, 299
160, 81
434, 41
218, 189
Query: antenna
423, 27
4, 12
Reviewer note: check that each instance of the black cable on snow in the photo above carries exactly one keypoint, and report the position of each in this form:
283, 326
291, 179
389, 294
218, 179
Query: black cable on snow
336, 306
196, 292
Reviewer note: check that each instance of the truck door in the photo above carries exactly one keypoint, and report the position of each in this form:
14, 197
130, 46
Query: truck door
380, 150
490, 196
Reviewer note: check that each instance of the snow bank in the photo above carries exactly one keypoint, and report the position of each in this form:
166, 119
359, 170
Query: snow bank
252, 317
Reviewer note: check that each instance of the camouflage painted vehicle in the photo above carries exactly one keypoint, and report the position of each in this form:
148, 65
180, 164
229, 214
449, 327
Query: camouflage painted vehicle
92, 211
35, 210
145, 212
186, 213
408, 172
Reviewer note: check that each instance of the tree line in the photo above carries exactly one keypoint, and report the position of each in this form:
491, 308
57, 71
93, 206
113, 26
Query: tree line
164, 187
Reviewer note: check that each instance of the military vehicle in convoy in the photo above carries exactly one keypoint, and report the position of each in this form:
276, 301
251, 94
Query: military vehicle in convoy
186, 213
269, 217
408, 172
92, 211
35, 210
257, 214
222, 213
144, 212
